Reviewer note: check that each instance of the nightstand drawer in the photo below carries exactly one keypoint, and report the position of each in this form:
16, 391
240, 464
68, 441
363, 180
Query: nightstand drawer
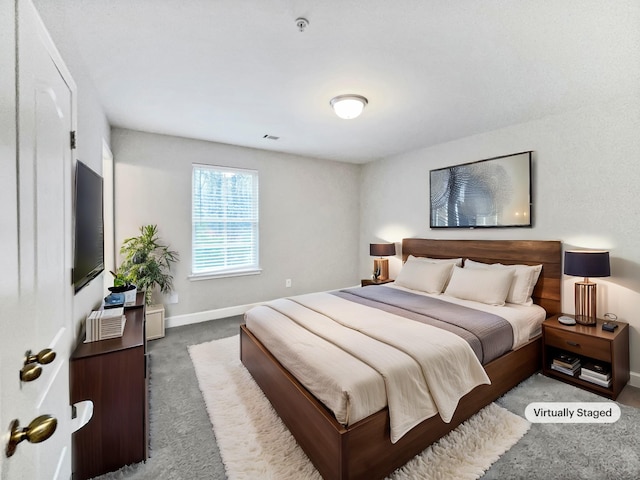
581, 344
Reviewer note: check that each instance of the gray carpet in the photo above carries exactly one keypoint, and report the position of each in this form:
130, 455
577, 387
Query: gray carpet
569, 451
183, 445
182, 442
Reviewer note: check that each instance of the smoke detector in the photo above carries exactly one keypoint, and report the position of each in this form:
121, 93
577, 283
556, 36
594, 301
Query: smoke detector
302, 23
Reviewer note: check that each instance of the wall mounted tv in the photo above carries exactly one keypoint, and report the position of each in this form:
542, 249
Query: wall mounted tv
495, 192
88, 256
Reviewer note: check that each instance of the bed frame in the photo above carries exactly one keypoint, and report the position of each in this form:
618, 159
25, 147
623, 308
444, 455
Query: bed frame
364, 450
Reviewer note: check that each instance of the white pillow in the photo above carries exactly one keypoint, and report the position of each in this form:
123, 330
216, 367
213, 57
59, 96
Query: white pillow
489, 286
524, 280
456, 261
424, 276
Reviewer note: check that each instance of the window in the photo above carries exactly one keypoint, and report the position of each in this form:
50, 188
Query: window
224, 221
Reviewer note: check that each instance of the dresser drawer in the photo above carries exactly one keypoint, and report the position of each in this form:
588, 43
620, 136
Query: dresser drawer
589, 346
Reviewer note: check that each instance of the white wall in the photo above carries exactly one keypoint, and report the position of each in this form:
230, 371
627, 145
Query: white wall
309, 216
585, 191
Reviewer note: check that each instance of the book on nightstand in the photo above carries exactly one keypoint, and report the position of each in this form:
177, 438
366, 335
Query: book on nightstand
566, 371
597, 371
565, 363
597, 381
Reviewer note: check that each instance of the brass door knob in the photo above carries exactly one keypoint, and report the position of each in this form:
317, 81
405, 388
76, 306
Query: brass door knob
30, 372
43, 357
39, 430
32, 368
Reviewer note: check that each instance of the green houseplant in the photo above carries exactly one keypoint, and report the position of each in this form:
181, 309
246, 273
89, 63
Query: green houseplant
147, 262
121, 284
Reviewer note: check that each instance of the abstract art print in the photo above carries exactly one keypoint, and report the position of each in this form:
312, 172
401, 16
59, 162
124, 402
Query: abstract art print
495, 192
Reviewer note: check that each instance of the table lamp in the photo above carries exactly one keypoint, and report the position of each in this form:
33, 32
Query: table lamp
586, 263
381, 265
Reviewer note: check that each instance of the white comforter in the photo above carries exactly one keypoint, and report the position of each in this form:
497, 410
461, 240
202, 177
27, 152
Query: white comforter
424, 370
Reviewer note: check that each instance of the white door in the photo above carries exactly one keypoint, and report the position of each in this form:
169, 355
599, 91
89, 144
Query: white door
37, 297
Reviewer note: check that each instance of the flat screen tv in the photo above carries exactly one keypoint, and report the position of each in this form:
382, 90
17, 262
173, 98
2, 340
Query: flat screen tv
88, 251
495, 192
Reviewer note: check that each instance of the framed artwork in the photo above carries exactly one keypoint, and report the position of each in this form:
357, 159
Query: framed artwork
490, 193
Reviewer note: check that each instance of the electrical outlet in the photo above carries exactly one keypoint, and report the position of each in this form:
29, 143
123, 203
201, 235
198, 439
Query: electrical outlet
287, 283
172, 298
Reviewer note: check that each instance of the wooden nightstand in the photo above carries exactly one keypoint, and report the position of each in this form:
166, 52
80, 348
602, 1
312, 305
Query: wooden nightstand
589, 344
369, 281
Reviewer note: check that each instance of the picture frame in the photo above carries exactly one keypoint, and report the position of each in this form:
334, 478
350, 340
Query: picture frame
491, 193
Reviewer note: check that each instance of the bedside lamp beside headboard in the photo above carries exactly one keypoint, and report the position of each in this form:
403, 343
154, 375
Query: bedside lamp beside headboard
381, 265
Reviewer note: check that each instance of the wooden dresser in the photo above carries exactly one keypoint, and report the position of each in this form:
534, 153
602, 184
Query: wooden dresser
114, 375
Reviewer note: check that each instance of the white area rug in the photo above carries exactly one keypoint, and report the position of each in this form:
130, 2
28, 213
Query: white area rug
254, 443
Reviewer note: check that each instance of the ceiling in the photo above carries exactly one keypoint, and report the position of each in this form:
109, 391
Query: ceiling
233, 71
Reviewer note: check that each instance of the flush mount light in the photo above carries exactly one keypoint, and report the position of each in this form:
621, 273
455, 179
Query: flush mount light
348, 106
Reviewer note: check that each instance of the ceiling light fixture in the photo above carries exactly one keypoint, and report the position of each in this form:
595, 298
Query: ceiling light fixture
348, 106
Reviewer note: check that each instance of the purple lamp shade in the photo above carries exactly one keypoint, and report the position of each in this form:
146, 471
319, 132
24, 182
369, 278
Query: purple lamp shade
382, 249
587, 263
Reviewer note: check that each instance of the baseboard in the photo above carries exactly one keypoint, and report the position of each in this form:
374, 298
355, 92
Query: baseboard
634, 381
189, 318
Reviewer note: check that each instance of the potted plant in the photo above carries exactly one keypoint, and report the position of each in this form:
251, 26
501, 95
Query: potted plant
121, 284
147, 262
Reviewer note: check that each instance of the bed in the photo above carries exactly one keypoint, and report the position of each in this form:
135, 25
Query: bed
365, 449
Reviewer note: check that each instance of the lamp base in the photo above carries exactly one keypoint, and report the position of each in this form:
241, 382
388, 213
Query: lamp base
585, 296
381, 267
588, 321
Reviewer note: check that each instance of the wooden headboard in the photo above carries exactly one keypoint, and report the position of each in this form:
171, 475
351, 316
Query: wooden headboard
547, 253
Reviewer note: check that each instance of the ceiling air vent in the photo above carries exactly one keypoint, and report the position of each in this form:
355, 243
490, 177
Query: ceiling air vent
270, 137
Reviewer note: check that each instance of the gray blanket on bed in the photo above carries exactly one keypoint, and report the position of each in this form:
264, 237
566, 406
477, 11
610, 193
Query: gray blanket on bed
488, 335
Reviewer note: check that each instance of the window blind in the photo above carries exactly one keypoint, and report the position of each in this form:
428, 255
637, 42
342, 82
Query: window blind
224, 220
